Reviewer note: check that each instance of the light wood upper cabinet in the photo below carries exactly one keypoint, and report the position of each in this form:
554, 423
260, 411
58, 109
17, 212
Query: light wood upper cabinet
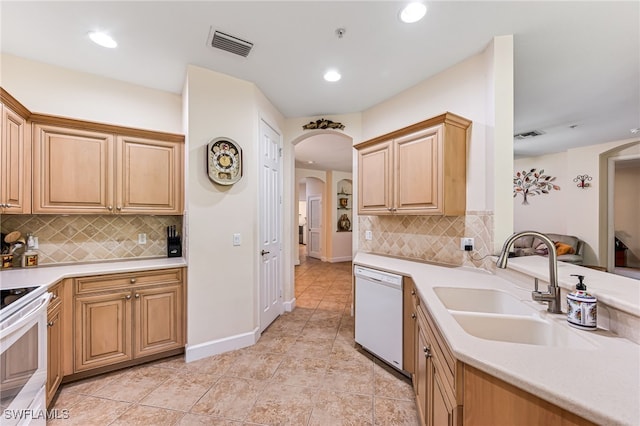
374, 179
417, 170
149, 176
83, 171
15, 159
72, 170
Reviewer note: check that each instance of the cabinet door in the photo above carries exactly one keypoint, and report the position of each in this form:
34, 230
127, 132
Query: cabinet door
73, 171
418, 164
441, 408
409, 317
15, 164
159, 319
421, 375
374, 179
54, 350
102, 329
148, 176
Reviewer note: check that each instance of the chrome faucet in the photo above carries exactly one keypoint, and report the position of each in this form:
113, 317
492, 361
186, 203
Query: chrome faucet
552, 296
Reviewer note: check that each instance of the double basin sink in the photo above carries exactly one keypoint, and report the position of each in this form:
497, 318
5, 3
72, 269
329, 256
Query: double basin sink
499, 316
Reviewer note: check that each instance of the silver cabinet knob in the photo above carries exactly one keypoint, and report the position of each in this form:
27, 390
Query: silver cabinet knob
119, 208
109, 208
137, 296
132, 280
128, 296
413, 315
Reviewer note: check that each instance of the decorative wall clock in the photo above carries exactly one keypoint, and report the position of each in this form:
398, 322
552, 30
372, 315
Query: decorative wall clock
224, 161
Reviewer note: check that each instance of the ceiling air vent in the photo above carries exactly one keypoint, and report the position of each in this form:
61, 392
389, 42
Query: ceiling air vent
231, 44
528, 135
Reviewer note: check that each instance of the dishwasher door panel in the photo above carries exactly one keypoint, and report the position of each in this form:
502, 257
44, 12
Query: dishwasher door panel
378, 319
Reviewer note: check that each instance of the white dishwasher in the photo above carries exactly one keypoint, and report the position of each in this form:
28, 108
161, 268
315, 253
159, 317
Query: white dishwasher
378, 321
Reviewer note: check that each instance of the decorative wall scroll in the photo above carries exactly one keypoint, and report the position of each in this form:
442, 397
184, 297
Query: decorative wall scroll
583, 181
323, 124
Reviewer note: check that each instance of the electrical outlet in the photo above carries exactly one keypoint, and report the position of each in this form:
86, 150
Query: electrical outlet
142, 238
368, 235
466, 244
236, 239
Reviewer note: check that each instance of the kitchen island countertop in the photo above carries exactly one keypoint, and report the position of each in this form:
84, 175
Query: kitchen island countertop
600, 382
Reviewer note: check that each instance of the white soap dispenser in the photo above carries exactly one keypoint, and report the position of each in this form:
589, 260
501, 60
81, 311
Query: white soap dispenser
582, 307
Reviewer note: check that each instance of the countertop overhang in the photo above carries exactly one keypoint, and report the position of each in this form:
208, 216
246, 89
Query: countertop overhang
601, 384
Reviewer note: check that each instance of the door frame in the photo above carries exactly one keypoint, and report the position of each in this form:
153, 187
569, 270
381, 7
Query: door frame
611, 180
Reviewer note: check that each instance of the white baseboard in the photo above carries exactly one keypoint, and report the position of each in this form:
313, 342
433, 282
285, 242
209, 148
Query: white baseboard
226, 344
341, 259
290, 305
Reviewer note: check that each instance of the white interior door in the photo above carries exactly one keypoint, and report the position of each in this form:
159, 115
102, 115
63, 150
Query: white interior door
314, 222
270, 226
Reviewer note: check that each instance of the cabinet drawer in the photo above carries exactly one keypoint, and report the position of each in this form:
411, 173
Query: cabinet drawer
442, 357
56, 296
101, 283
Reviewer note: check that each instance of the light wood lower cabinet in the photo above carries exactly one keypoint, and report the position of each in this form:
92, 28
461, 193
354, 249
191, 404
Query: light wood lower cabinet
103, 330
54, 350
124, 317
158, 315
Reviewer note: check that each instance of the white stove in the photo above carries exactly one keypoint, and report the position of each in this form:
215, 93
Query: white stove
23, 359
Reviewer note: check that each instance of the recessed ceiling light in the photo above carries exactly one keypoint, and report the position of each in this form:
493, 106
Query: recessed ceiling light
413, 12
332, 75
103, 39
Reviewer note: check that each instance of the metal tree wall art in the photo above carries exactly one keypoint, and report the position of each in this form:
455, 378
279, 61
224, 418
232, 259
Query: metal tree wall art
532, 183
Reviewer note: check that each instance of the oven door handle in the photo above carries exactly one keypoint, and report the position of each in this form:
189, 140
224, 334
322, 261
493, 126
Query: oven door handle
44, 301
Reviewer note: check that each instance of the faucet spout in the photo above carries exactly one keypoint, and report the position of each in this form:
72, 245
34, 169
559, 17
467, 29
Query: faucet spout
553, 295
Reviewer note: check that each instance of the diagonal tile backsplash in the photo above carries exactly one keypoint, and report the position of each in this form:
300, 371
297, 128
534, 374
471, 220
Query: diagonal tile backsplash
430, 238
88, 238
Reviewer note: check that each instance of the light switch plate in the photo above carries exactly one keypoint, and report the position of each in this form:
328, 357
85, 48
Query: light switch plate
368, 235
236, 239
142, 238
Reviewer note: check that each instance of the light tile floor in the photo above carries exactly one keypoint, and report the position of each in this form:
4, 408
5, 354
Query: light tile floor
305, 370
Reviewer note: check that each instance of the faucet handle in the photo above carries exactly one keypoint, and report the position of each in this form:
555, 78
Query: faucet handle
535, 284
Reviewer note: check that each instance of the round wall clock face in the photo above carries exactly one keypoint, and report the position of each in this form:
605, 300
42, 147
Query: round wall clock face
224, 161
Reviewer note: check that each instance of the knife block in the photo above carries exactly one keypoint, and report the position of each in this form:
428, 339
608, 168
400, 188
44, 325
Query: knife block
174, 246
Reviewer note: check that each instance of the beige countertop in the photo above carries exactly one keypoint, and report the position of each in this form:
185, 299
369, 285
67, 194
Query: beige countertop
599, 381
48, 275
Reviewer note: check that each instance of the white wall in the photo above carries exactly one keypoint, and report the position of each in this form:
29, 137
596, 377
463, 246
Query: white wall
49, 89
545, 212
223, 279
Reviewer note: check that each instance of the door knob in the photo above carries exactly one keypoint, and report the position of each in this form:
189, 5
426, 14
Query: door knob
263, 252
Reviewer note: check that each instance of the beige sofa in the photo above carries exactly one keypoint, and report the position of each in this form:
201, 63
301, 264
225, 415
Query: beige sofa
527, 246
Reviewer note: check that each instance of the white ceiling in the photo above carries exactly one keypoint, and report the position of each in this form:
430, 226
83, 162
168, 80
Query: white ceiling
576, 63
